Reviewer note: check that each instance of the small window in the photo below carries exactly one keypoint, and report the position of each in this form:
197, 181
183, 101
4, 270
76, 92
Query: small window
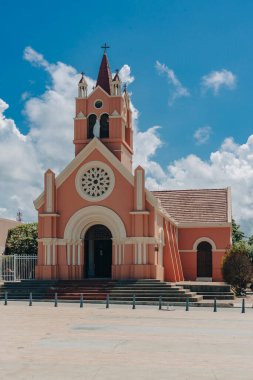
104, 126
98, 103
91, 122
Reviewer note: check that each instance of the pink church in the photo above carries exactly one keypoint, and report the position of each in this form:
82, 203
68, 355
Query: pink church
97, 219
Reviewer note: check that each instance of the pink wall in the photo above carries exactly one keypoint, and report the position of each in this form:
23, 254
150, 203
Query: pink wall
188, 236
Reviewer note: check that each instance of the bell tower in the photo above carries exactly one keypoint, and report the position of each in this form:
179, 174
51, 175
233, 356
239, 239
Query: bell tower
105, 113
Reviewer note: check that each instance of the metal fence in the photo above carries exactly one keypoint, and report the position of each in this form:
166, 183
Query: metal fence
17, 267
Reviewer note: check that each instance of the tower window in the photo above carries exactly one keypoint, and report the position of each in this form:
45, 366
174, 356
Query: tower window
98, 103
91, 122
104, 126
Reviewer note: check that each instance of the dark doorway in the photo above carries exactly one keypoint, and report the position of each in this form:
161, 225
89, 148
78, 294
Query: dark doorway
204, 259
91, 122
98, 252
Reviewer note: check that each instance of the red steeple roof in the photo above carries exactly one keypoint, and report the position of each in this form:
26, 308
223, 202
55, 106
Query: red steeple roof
116, 77
104, 76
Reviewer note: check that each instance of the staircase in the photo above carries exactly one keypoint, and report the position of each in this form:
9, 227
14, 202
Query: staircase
147, 292
210, 291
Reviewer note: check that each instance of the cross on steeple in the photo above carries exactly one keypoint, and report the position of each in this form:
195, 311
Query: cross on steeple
105, 47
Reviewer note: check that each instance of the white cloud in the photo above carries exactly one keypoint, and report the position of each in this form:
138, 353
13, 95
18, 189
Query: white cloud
202, 135
178, 90
25, 95
7, 126
215, 80
19, 168
50, 115
125, 74
34, 57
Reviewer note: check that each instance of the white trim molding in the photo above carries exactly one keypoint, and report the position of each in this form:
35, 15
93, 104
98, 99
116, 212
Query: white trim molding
83, 219
229, 201
80, 116
49, 191
203, 224
139, 184
139, 212
204, 239
44, 214
194, 251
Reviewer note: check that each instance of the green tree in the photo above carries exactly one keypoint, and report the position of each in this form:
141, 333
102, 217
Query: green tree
237, 234
237, 267
250, 244
22, 240
250, 241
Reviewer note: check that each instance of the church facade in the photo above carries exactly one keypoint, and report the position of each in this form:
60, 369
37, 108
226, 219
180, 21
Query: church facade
97, 219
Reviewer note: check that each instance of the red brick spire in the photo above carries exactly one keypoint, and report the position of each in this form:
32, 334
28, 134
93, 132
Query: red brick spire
104, 76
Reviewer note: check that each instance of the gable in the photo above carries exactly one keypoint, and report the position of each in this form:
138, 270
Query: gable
80, 158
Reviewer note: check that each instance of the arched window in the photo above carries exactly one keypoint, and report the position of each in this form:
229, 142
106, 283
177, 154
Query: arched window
204, 259
91, 122
104, 126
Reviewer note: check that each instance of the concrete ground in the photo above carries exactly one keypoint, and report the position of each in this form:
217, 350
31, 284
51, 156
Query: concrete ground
44, 342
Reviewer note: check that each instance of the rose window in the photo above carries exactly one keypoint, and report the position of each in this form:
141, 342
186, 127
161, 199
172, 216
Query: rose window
95, 182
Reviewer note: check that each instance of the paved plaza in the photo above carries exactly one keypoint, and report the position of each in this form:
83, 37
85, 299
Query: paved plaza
67, 342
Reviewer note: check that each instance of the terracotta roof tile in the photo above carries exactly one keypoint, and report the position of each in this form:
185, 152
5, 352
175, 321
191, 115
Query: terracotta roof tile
205, 205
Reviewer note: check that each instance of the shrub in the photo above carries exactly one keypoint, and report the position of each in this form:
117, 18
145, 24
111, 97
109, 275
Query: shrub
22, 240
237, 267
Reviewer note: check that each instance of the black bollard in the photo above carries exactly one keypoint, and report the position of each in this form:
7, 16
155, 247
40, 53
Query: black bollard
187, 304
133, 302
81, 300
5, 298
107, 301
55, 300
160, 303
243, 305
215, 305
30, 299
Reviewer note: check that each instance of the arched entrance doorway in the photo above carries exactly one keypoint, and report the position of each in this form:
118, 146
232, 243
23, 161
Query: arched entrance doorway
98, 251
204, 259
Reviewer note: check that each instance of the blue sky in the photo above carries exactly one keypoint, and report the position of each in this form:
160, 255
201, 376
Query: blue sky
201, 44
191, 37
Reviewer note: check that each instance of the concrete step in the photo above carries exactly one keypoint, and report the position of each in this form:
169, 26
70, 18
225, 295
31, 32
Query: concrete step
218, 297
210, 291
129, 299
146, 291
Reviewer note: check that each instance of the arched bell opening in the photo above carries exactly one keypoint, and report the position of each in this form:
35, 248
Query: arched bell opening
98, 252
204, 259
104, 126
91, 122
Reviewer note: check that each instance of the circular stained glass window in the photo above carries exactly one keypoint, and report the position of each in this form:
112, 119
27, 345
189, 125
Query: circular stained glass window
95, 181
98, 103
